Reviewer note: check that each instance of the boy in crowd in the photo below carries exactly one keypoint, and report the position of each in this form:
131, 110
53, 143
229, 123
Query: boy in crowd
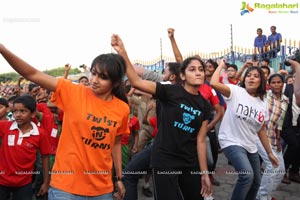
21, 139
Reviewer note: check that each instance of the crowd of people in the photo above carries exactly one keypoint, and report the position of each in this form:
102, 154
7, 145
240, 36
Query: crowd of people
96, 138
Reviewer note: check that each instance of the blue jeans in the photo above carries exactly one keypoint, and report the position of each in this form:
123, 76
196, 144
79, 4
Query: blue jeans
19, 193
137, 166
56, 194
247, 165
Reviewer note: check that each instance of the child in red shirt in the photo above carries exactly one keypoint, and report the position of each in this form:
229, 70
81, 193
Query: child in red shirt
21, 139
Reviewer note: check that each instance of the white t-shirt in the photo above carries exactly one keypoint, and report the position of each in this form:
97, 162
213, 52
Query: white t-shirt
243, 118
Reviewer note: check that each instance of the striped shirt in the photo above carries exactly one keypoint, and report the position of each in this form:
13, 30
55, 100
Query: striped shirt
277, 109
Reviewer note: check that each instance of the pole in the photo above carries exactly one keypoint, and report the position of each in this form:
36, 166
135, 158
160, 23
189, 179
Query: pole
161, 56
161, 49
231, 45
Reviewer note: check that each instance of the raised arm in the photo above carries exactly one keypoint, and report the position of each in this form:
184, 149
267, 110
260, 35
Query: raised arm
86, 70
239, 74
135, 80
177, 54
27, 71
67, 69
215, 80
19, 91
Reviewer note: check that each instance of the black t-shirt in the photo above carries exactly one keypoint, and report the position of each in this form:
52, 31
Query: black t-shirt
179, 117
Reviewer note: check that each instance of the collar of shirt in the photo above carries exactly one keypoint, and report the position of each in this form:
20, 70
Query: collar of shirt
33, 131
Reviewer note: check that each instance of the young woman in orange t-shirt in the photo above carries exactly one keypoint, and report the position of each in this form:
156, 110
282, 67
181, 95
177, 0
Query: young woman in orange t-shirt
95, 117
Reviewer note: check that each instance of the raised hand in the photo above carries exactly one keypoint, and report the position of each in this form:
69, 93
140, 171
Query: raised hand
171, 32
117, 43
67, 67
294, 64
21, 78
222, 62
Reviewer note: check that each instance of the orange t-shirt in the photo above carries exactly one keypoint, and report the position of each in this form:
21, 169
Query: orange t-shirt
83, 160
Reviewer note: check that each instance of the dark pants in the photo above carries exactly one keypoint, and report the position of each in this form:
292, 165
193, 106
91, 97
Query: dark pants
291, 136
38, 179
214, 148
176, 184
138, 166
18, 193
273, 53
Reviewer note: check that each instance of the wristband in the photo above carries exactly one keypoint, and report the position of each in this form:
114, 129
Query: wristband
118, 178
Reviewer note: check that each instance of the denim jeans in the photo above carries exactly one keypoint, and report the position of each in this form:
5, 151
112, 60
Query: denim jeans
56, 194
272, 176
137, 166
18, 193
247, 165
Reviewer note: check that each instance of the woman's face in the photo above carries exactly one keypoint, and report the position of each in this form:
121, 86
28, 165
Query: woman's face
194, 73
252, 81
276, 85
100, 82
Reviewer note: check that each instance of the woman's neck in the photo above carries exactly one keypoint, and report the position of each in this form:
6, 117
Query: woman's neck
252, 93
277, 95
105, 96
191, 89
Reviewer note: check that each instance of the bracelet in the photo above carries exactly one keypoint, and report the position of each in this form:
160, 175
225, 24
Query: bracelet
118, 178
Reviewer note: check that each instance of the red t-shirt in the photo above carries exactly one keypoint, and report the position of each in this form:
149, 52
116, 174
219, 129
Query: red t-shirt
18, 153
134, 124
226, 80
209, 94
153, 123
47, 121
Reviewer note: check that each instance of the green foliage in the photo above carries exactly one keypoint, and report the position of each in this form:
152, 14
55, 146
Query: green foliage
53, 72
60, 71
9, 76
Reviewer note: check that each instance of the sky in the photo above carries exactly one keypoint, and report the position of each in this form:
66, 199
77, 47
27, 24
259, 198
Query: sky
48, 34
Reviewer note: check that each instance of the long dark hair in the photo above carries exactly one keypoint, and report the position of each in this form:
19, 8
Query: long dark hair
261, 90
115, 67
174, 68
